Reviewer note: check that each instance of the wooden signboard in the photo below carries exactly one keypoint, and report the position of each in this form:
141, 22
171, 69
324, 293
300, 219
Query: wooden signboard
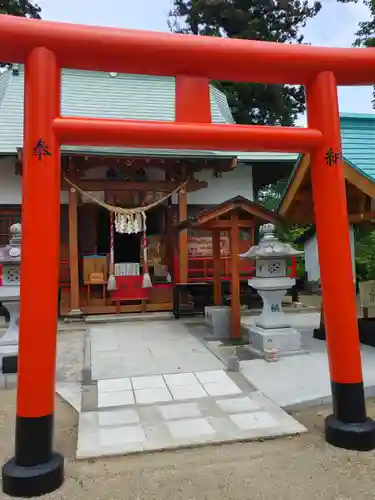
201, 246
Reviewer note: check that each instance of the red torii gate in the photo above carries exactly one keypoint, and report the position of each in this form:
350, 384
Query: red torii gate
45, 48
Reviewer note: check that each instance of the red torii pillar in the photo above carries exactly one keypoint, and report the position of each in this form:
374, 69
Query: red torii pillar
36, 469
349, 426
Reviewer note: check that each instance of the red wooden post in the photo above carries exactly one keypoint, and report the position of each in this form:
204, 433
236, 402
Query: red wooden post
235, 303
35, 468
349, 426
216, 254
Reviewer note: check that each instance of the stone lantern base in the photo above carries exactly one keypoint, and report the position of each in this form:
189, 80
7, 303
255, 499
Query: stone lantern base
9, 297
287, 341
272, 329
272, 335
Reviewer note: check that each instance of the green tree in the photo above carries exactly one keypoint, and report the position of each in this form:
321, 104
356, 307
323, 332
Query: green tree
270, 195
266, 20
20, 8
364, 239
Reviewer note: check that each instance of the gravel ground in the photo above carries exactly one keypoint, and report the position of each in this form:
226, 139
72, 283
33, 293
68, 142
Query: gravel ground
302, 467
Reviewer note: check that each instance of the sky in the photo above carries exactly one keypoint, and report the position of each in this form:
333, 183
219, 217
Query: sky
334, 26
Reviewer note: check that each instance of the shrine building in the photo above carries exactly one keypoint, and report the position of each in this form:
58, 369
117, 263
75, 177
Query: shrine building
178, 184
99, 242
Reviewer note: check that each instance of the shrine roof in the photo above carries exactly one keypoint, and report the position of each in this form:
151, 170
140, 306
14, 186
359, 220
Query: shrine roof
358, 147
97, 94
358, 142
238, 204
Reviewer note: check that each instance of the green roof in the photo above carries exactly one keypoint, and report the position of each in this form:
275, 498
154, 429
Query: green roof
113, 95
358, 142
358, 145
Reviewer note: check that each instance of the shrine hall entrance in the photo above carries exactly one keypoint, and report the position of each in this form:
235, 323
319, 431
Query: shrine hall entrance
127, 247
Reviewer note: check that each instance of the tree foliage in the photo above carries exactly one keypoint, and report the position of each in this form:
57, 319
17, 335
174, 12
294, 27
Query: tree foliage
270, 195
364, 253
266, 20
19, 8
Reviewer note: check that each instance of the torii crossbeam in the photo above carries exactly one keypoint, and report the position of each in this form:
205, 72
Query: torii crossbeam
46, 47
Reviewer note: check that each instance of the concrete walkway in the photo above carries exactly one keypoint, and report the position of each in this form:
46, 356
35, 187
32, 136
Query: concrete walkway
156, 386
138, 348
303, 380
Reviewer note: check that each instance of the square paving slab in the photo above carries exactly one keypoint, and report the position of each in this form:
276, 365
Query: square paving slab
162, 388
161, 417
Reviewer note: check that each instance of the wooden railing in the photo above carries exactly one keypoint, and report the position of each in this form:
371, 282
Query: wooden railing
202, 269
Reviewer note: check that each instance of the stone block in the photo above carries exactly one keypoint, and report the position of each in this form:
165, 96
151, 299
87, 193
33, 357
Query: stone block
89, 397
86, 370
218, 320
286, 340
233, 364
86, 376
10, 381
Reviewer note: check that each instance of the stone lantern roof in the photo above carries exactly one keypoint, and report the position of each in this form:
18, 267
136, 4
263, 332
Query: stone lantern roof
270, 247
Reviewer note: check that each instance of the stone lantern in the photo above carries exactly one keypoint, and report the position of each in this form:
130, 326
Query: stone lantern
10, 259
272, 330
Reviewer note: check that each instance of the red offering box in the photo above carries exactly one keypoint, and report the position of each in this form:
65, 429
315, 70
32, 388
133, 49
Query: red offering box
129, 288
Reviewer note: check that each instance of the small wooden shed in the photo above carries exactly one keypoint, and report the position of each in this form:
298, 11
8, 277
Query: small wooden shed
230, 216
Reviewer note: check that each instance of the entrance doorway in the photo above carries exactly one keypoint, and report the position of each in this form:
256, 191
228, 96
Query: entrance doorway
127, 246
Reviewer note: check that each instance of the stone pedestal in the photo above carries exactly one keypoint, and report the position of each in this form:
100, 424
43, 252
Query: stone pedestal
286, 340
272, 293
218, 320
10, 337
10, 259
272, 329
9, 297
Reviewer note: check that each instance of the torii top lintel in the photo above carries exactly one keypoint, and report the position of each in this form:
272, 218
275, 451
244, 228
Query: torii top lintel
133, 51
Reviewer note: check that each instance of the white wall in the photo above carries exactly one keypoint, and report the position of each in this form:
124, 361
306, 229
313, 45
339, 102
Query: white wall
236, 182
11, 184
312, 258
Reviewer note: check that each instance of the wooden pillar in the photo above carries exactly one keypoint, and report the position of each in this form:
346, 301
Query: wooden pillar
73, 253
235, 264
183, 236
216, 254
192, 105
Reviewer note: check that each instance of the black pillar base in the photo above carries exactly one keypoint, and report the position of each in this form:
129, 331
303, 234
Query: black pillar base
10, 365
35, 480
351, 436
